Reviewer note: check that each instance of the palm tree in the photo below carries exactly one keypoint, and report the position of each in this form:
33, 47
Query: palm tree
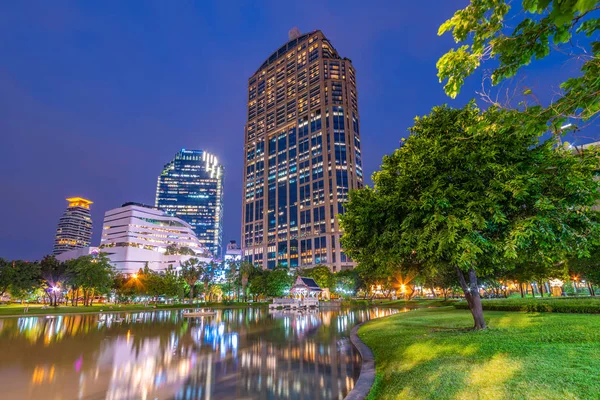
208, 273
191, 271
246, 269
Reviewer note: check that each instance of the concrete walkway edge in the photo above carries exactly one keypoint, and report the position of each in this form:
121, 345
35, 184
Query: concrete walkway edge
367, 370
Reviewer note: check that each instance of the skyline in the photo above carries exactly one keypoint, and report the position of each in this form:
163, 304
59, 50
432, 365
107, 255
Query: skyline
96, 96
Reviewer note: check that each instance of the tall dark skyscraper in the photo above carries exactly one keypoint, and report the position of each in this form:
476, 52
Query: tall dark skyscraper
191, 188
303, 155
74, 228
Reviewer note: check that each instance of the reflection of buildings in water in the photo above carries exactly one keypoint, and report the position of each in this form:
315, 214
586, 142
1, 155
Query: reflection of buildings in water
285, 369
298, 323
148, 371
236, 354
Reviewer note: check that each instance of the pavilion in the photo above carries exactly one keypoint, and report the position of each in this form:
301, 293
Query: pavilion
305, 287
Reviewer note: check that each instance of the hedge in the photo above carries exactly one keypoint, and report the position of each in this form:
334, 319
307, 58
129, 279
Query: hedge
557, 304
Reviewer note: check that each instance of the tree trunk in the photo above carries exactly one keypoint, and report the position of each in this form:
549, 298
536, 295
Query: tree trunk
532, 289
521, 289
541, 289
471, 292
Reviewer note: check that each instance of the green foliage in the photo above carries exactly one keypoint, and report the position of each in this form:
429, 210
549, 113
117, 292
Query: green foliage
544, 25
321, 274
355, 303
245, 271
124, 287
258, 282
587, 268
191, 272
6, 275
475, 192
91, 273
472, 190
346, 282
556, 304
278, 282
25, 278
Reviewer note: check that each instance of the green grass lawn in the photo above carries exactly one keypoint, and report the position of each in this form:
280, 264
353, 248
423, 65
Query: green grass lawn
431, 354
17, 309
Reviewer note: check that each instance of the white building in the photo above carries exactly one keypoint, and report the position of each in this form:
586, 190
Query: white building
136, 235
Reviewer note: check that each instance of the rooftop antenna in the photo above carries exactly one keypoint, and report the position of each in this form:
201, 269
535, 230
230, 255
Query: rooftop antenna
294, 33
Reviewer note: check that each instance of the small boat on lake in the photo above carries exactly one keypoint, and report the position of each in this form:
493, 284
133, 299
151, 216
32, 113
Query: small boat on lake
191, 314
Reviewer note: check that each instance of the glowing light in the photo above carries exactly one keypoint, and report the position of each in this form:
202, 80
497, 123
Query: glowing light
79, 202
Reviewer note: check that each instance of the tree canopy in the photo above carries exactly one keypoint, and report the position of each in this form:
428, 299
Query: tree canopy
472, 191
490, 30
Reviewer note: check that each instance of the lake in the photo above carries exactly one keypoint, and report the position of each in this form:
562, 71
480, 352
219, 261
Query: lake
248, 353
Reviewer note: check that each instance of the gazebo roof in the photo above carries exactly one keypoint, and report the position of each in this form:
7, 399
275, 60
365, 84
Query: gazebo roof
306, 284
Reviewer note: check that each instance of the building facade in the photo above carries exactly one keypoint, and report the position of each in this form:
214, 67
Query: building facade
74, 228
302, 155
191, 188
233, 252
135, 235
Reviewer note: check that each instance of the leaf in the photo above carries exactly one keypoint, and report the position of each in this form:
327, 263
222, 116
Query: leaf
584, 6
562, 35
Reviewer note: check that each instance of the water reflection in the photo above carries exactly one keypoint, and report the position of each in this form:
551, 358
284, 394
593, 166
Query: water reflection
241, 354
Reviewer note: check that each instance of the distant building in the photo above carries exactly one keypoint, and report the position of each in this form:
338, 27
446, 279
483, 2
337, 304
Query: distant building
302, 155
136, 235
191, 187
74, 227
233, 252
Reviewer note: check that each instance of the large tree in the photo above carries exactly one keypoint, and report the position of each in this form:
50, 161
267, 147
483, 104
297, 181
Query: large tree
321, 274
475, 192
278, 282
54, 276
92, 275
25, 278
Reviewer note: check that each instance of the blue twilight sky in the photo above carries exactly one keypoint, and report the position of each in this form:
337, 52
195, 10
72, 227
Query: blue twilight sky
95, 97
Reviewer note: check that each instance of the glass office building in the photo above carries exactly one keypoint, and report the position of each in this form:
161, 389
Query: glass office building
74, 228
191, 187
302, 155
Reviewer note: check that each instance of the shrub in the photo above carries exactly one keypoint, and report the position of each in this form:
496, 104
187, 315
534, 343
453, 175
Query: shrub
355, 303
580, 305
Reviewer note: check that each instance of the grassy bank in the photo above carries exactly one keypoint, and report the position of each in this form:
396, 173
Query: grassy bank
401, 304
18, 309
574, 305
431, 354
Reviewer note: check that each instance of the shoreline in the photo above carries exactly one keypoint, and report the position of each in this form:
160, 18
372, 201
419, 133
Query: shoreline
366, 378
50, 312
